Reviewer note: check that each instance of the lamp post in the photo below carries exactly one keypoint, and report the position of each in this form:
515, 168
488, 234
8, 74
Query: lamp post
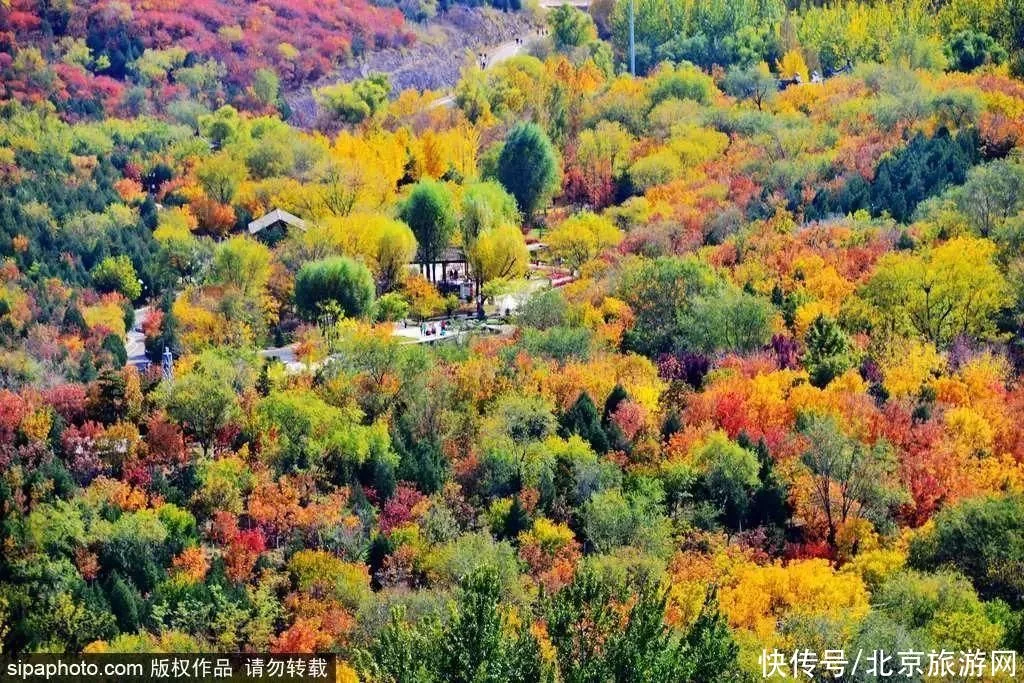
632, 43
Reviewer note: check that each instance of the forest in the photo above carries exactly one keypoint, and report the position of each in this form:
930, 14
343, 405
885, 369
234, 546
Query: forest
729, 362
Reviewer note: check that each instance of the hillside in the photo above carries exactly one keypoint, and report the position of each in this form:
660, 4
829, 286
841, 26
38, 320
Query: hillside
559, 373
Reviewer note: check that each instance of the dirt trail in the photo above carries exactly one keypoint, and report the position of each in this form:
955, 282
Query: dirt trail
496, 54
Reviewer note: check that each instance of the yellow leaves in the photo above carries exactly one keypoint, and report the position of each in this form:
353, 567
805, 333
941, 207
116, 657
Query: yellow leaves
854, 536
835, 399
827, 284
499, 253
107, 314
876, 565
36, 425
695, 144
363, 170
807, 312
792, 65
758, 596
386, 245
638, 375
549, 536
584, 79
119, 494
424, 299
231, 34
174, 223
954, 288
345, 673
287, 51
656, 168
609, 142
970, 432
693, 573
983, 374
452, 150
202, 326
581, 238
909, 365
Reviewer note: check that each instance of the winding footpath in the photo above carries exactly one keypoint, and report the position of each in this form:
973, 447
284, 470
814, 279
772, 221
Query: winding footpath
502, 52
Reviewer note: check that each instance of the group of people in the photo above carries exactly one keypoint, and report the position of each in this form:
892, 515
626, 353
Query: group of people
481, 57
431, 329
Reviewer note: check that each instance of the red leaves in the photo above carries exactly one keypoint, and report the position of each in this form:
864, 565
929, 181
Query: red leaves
400, 508
243, 547
13, 409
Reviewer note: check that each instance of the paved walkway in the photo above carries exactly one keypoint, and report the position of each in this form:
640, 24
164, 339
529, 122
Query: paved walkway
135, 340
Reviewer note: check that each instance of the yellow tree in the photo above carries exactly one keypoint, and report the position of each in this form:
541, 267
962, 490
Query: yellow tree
497, 254
792, 65
955, 288
581, 238
389, 246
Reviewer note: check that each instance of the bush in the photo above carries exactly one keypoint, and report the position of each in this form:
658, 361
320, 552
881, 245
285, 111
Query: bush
117, 274
968, 50
338, 280
390, 307
983, 538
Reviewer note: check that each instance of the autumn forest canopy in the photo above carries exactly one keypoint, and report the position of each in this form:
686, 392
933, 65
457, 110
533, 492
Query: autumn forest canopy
558, 374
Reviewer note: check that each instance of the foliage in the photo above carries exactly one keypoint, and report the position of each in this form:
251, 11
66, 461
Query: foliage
759, 387
340, 281
527, 167
356, 101
430, 214
117, 274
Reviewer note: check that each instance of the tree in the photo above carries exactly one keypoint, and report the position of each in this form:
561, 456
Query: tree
991, 194
581, 238
829, 353
523, 420
793, 66
117, 274
202, 401
266, 86
983, 538
308, 433
725, 319
428, 211
125, 603
392, 247
570, 27
656, 290
338, 281
485, 206
243, 263
952, 289
497, 254
849, 480
476, 644
424, 299
754, 83
543, 310
728, 477
528, 167
583, 419
941, 609
220, 175
969, 49
495, 248
593, 641
356, 101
